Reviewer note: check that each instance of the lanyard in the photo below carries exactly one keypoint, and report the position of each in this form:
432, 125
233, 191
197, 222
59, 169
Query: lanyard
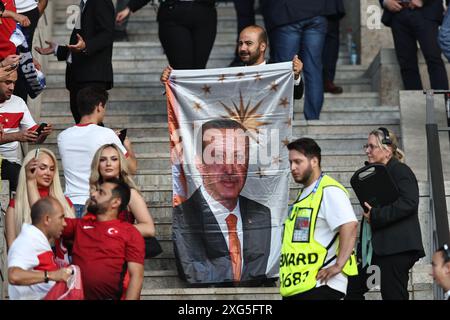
316, 186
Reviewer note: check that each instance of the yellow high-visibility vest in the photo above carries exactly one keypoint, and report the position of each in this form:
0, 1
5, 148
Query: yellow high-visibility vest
301, 255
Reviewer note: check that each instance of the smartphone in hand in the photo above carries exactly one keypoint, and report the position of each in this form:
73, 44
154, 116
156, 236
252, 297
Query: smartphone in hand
122, 135
39, 132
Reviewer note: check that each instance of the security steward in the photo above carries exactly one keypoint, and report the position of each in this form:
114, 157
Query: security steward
319, 233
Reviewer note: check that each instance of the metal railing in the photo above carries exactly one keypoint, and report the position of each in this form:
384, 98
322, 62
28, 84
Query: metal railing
439, 227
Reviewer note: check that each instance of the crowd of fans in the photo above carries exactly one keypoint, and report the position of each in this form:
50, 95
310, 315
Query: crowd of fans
48, 230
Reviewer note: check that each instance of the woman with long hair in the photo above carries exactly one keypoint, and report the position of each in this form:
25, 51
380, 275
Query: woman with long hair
109, 162
38, 178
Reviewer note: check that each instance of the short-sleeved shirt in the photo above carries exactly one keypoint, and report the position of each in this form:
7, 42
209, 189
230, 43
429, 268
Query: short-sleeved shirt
7, 27
335, 210
15, 117
77, 146
102, 251
31, 251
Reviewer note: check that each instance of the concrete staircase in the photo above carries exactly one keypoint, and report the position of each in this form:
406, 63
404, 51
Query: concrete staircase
137, 103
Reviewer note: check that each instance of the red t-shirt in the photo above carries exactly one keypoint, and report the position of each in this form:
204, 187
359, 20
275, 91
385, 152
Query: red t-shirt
7, 28
102, 250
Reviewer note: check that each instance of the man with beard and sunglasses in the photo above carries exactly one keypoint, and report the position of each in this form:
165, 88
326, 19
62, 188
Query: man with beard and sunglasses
106, 248
319, 232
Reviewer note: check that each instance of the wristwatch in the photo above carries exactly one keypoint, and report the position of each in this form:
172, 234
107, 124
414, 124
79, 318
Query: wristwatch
46, 279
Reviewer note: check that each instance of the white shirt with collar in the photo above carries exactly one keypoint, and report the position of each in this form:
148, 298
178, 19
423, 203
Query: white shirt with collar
296, 82
447, 295
221, 213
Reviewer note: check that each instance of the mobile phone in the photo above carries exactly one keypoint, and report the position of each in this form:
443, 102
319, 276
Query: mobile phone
122, 135
41, 128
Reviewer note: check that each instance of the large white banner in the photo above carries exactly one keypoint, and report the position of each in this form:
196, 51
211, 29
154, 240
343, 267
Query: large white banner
228, 132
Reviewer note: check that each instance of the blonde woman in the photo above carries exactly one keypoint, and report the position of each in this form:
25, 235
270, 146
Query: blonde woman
391, 238
109, 162
38, 178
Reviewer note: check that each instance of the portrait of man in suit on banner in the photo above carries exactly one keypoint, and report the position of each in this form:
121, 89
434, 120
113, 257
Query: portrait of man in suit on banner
220, 235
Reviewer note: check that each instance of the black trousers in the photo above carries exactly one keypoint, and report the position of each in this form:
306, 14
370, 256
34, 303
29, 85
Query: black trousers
408, 27
394, 277
74, 89
10, 172
318, 293
20, 88
187, 31
245, 12
330, 53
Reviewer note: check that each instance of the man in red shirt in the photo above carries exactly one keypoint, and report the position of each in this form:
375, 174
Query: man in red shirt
106, 248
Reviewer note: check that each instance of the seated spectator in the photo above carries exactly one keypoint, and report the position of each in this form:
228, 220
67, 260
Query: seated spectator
19, 126
78, 144
108, 163
106, 248
441, 269
32, 271
38, 178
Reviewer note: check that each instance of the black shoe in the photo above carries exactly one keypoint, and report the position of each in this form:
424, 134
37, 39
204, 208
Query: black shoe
120, 36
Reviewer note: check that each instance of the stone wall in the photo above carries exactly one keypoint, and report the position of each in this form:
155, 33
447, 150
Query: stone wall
373, 34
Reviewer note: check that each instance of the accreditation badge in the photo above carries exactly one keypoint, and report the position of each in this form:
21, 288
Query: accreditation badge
302, 226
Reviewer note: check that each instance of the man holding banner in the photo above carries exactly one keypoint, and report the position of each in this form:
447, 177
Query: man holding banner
229, 165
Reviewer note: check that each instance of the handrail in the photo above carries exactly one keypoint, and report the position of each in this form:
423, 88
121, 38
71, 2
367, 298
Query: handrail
439, 227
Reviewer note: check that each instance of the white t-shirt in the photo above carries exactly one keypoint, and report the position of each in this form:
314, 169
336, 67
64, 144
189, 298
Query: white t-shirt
15, 116
25, 5
31, 251
335, 210
77, 146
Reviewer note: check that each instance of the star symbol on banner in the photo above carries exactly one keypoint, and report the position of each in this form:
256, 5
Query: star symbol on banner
258, 77
277, 160
240, 75
222, 78
245, 114
261, 172
274, 86
285, 141
206, 89
288, 122
197, 106
284, 102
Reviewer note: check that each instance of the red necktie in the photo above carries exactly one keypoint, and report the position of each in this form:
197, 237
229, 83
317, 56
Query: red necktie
234, 246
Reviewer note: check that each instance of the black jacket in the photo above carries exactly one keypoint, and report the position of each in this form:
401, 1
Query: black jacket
97, 30
135, 5
431, 10
281, 12
335, 9
395, 227
200, 247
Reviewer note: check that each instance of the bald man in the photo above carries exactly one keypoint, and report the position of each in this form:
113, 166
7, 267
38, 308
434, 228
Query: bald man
252, 48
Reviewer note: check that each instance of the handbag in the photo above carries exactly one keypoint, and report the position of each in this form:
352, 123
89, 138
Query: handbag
152, 247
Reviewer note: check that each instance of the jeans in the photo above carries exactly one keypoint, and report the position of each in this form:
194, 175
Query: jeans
305, 38
444, 36
79, 210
